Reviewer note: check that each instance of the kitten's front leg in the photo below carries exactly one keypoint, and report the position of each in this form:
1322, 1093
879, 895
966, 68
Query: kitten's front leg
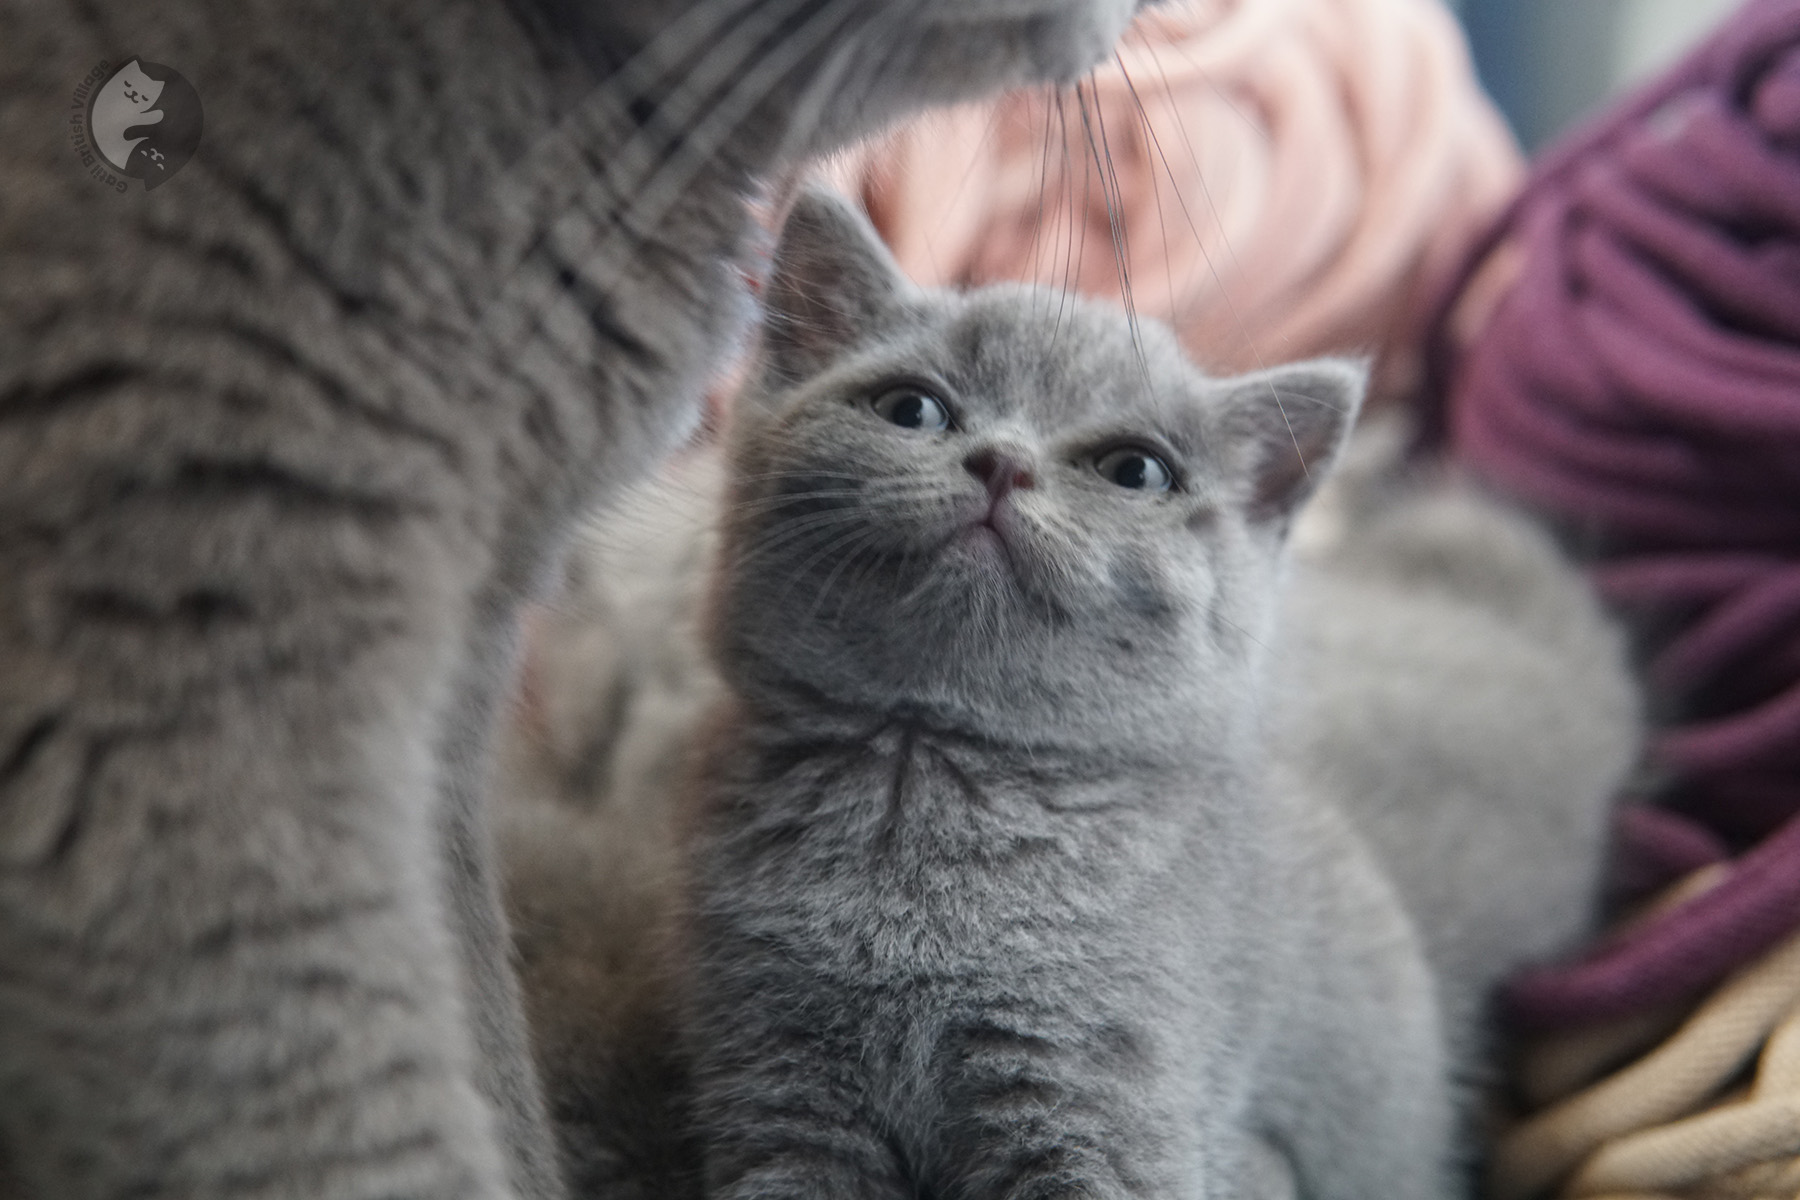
787, 1128
782, 1095
1066, 1113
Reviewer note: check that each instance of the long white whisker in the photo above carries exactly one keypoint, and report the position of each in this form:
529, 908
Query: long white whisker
1224, 291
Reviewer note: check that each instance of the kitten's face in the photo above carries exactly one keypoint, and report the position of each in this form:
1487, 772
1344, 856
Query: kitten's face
1011, 510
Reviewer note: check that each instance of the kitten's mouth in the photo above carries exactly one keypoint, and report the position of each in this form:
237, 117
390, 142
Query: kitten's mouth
992, 534
996, 544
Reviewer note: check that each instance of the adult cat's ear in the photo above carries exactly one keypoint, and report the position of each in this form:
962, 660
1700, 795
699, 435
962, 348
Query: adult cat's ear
832, 281
1284, 427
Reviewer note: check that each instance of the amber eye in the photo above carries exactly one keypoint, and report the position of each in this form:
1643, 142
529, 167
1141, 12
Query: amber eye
1136, 469
912, 408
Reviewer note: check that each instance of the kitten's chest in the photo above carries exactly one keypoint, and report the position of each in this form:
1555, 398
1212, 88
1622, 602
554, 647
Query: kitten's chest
912, 856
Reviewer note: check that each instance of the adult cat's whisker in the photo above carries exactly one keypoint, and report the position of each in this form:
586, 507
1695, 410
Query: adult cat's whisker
1037, 226
634, 171
674, 115
1219, 281
1076, 242
1093, 124
543, 172
664, 125
1187, 141
703, 139
1148, 128
824, 89
671, 45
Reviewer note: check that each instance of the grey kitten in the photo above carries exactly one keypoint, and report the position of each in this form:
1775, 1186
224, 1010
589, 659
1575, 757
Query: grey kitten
1440, 672
993, 892
283, 447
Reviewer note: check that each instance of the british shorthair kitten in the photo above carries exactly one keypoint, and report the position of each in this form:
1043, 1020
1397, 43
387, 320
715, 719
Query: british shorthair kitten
1059, 836
993, 891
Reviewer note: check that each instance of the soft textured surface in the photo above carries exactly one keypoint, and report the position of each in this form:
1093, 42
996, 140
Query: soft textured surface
1639, 377
1290, 177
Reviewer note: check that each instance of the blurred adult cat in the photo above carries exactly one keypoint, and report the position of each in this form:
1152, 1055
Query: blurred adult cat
283, 445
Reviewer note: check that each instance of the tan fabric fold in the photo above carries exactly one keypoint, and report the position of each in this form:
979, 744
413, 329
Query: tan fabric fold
1672, 1081
1688, 1153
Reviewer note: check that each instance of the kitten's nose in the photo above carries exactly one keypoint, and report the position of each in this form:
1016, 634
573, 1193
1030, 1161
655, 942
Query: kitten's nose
1002, 472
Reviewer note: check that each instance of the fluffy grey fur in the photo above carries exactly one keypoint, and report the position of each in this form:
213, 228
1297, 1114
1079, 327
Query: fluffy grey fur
993, 890
990, 902
283, 445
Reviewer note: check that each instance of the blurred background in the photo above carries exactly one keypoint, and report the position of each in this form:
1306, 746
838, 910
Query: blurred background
1547, 63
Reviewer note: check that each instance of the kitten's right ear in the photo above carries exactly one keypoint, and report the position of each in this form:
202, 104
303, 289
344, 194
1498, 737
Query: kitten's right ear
832, 281
1286, 426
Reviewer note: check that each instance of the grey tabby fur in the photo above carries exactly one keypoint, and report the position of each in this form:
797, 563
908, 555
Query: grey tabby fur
989, 904
283, 446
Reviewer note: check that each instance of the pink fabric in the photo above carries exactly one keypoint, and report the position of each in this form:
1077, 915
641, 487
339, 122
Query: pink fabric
1639, 377
1291, 177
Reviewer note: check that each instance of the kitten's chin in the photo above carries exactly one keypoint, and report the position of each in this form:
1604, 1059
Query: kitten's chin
986, 545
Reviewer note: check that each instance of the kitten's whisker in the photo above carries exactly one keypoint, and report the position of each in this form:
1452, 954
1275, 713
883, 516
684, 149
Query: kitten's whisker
767, 504
874, 564
864, 543
809, 473
796, 529
836, 545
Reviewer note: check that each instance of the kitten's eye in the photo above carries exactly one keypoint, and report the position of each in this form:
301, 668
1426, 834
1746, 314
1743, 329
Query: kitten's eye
1136, 469
911, 408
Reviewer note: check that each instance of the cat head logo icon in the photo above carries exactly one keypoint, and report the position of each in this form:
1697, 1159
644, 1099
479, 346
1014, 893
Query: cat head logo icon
144, 120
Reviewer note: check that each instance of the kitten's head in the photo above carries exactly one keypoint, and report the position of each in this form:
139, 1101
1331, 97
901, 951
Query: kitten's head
1011, 511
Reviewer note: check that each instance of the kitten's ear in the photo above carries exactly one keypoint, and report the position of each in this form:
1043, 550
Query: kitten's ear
1285, 426
832, 280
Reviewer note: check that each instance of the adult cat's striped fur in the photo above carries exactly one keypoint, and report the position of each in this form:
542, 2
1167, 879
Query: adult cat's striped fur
282, 446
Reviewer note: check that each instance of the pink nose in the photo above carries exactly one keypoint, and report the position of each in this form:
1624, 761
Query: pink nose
1002, 472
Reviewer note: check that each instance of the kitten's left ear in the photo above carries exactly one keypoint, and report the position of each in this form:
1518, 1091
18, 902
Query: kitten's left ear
1285, 426
832, 281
